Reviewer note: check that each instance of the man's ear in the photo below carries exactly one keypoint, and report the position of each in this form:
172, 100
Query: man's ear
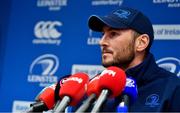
142, 42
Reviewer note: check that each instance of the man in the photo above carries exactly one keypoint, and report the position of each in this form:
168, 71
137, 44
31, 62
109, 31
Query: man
127, 36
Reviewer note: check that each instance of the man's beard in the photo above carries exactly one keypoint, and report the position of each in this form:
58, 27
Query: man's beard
123, 58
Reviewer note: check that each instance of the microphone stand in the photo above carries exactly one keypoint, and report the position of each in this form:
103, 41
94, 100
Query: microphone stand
86, 104
61, 105
102, 98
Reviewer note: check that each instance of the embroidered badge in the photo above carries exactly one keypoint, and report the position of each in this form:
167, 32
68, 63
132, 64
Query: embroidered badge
152, 100
122, 13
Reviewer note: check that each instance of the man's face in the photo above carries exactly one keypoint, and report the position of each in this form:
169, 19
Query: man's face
117, 47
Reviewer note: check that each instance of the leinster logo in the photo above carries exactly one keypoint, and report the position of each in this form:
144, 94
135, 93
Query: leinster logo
52, 5
170, 64
122, 13
152, 100
42, 70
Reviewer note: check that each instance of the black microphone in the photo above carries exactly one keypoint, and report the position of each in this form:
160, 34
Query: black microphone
45, 100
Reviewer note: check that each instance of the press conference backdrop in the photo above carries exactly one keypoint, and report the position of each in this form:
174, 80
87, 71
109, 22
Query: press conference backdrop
42, 40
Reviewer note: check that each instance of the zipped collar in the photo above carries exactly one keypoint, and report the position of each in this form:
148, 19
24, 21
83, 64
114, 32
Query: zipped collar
144, 72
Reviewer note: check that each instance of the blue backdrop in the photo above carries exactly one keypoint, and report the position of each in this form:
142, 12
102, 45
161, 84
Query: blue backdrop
41, 40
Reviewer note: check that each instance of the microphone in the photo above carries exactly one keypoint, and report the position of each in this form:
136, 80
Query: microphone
129, 95
45, 100
111, 83
92, 92
58, 87
72, 90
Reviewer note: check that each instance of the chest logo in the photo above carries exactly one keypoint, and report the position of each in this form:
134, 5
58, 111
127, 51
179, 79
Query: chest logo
152, 100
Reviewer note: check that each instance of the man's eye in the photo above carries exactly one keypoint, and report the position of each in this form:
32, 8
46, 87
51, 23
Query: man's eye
113, 34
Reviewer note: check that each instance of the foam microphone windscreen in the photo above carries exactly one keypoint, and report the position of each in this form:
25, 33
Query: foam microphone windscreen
93, 86
47, 96
131, 89
75, 87
113, 79
58, 87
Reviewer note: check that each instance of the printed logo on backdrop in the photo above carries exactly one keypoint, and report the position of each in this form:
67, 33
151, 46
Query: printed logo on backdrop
91, 70
52, 5
94, 38
170, 64
106, 2
46, 32
168, 3
43, 69
166, 32
20, 106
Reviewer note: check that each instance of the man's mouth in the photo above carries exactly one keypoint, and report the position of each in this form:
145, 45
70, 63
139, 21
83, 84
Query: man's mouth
107, 52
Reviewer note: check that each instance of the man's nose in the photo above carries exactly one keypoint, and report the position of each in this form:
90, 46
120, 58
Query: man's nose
103, 41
